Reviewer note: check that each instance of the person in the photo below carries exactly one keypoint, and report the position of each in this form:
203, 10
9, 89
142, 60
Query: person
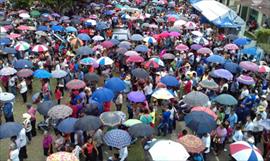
164, 124
119, 101
115, 157
58, 141
148, 90
58, 94
262, 112
238, 134
13, 152
182, 133
8, 111
12, 84
98, 138
77, 150
32, 111
123, 154
249, 125
47, 144
219, 138
266, 142
146, 118
21, 141
173, 118
23, 89
89, 148
249, 137
27, 125
206, 139
46, 90
232, 119
257, 129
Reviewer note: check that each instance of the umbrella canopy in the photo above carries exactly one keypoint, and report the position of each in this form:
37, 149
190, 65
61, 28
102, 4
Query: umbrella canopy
162, 93
62, 156
98, 38
168, 56
263, 69
131, 53
88, 61
196, 98
24, 73
107, 44
150, 40
87, 123
44, 107
190, 25
39, 48
59, 112
141, 130
10, 129
115, 84
232, 67
158, 61
209, 84
216, 59
84, 50
141, 48
84, 37
200, 122
6, 97
71, 29
75, 84
250, 66
136, 96
192, 143
140, 73
131, 122
231, 47
9, 50
242, 41
206, 110
110, 119
196, 47
169, 80
181, 47
245, 151
91, 77
226, 99
22, 63
117, 138
201, 41
204, 51
168, 150
222, 73
265, 124
136, 37
151, 64
42, 74
76, 42
245, 79
103, 95
67, 125
59, 73
105, 61
135, 59
6, 71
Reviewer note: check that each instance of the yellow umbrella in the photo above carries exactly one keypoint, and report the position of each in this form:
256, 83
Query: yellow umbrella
62, 156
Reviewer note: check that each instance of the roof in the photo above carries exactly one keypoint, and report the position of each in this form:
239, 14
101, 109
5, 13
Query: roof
259, 5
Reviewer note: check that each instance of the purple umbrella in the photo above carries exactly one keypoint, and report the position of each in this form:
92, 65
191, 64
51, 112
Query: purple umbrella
195, 47
247, 65
244, 79
223, 73
136, 97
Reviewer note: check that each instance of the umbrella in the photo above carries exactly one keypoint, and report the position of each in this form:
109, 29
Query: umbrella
141, 48
5, 41
226, 99
75, 84
91, 77
62, 156
245, 79
14, 36
168, 150
242, 41
232, 67
9, 50
59, 73
265, 124
215, 59
136, 97
169, 80
23, 27
42, 28
71, 29
105, 61
93, 107
84, 37
131, 53
41, 33
150, 40
263, 69
24, 15
209, 84
162, 93
168, 56
190, 25
57, 28
247, 65
204, 51
140, 73
179, 23
175, 34
231, 47
22, 46
158, 61
121, 50
181, 47
141, 130
201, 41
76, 42
87, 123
67, 125
245, 151
84, 50
39, 48
135, 59
131, 122
115, 84
200, 122
206, 110
222, 73
115, 41
98, 38
35, 96
22, 63
192, 143
102, 26
249, 51
151, 64
117, 138
24, 73
136, 37
197, 33
196, 98
88, 61
35, 13
10, 129
42, 74
196, 47
107, 44
59, 112
6, 71
44, 107
102, 95
110, 119
6, 97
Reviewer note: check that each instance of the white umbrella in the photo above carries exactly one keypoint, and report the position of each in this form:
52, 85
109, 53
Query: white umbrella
6, 97
7, 71
197, 33
93, 22
168, 150
98, 38
59, 73
179, 23
201, 41
24, 15
162, 93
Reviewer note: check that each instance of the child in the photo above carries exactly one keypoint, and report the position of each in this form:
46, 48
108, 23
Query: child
58, 94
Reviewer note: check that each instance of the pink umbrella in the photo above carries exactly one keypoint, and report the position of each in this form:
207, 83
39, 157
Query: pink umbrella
107, 44
24, 73
175, 34
231, 47
190, 25
164, 34
39, 48
135, 59
13, 36
182, 47
171, 19
3, 29
204, 51
76, 84
263, 69
245, 79
206, 110
247, 65
131, 53
23, 27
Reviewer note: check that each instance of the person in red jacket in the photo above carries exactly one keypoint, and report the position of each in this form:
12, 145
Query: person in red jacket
58, 95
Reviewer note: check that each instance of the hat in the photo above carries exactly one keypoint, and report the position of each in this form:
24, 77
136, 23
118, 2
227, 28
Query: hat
26, 116
261, 108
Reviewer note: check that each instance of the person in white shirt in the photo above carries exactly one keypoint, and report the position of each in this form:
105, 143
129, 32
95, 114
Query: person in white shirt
12, 84
244, 93
206, 139
119, 101
27, 125
13, 152
249, 124
148, 90
23, 89
21, 141
238, 134
261, 111
123, 153
257, 129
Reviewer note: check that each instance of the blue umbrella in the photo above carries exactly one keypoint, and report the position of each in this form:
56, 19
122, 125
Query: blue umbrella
249, 51
54, 23
84, 50
5, 41
101, 26
226, 99
169, 80
242, 41
216, 59
42, 74
141, 48
71, 29
88, 123
115, 41
42, 28
2, 1
92, 106
9, 50
136, 37
232, 67
117, 138
222, 73
10, 129
84, 37
44, 107
115, 84
67, 125
22, 63
102, 95
109, 12
200, 122
57, 28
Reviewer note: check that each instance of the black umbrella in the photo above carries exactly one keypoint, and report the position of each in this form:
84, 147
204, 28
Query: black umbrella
10, 129
88, 123
140, 73
141, 130
91, 77
44, 107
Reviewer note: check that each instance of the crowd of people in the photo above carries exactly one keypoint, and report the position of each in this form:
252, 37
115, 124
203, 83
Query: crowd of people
158, 47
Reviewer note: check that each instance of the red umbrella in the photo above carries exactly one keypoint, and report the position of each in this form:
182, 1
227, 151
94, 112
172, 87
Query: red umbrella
171, 19
135, 59
151, 64
24, 73
164, 34
206, 110
13, 36
107, 44
75, 84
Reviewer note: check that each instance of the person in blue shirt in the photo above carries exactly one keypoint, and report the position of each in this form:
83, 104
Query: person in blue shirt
164, 124
8, 111
232, 119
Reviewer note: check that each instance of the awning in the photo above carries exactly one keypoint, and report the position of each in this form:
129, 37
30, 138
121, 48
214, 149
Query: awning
259, 5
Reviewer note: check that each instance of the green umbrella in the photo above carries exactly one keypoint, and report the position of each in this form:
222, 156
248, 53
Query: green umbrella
226, 99
35, 13
131, 122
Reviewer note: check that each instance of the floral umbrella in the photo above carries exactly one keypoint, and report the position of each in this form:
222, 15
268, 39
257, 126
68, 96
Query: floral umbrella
192, 143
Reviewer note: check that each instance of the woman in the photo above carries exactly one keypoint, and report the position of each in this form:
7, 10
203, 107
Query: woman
219, 138
23, 89
58, 141
146, 117
88, 150
13, 152
47, 144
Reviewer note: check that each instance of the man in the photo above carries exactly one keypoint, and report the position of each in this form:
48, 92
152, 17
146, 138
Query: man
21, 143
206, 139
164, 124
98, 138
123, 154
8, 111
232, 119
12, 84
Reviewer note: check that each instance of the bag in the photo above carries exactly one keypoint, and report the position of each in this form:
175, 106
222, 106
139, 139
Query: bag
216, 139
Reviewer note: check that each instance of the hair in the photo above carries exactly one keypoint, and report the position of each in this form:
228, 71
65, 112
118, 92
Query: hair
184, 132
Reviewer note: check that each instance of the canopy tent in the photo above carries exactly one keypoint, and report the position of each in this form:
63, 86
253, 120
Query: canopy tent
219, 14
193, 1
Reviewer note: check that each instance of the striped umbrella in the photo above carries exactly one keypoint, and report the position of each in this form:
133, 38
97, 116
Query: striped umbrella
105, 61
39, 48
75, 84
22, 46
245, 151
190, 25
158, 61
263, 69
151, 64
150, 40
117, 138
